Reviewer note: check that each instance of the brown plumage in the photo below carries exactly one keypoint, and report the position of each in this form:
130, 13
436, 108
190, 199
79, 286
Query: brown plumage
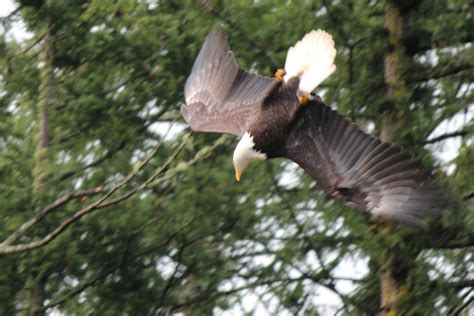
348, 164
220, 97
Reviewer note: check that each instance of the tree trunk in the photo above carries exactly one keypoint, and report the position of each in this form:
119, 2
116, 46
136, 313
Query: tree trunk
393, 283
43, 167
36, 294
391, 289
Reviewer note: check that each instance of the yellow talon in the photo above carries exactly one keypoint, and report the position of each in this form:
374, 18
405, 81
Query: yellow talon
303, 99
279, 74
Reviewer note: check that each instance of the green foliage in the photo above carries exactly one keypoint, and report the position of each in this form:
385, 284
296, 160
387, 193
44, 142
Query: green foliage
195, 241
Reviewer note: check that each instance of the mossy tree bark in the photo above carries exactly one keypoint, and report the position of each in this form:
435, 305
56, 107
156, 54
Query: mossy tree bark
43, 160
43, 167
394, 268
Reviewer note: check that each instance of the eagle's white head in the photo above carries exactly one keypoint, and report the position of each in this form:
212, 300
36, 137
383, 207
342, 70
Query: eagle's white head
245, 153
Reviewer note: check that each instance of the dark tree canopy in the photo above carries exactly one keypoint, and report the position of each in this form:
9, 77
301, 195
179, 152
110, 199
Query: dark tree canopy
109, 205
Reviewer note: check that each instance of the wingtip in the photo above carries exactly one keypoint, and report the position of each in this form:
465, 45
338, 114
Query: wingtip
217, 34
217, 31
185, 113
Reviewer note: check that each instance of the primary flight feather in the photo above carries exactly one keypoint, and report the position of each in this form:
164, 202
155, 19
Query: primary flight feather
278, 117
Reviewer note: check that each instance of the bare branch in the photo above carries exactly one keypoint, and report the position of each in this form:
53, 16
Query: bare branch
155, 248
6, 19
81, 287
36, 42
208, 296
468, 196
421, 45
463, 284
78, 289
463, 306
47, 210
108, 154
446, 136
440, 72
460, 243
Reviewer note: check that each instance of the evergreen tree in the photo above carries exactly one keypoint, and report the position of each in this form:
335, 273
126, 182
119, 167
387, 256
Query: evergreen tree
103, 212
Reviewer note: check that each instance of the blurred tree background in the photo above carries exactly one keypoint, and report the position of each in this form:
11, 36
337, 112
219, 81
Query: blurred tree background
110, 206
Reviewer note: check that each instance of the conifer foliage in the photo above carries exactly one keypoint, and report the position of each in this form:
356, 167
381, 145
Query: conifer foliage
109, 205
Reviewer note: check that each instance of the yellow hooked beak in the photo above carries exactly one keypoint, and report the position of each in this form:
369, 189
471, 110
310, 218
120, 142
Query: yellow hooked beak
237, 172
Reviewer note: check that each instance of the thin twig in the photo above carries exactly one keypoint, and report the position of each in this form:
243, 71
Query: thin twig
108, 154
6, 19
47, 210
468, 196
76, 290
462, 307
446, 136
439, 72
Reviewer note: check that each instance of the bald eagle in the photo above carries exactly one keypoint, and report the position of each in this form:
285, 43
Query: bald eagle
280, 117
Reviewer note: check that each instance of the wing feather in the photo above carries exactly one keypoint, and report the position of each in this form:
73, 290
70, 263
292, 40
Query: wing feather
219, 96
361, 170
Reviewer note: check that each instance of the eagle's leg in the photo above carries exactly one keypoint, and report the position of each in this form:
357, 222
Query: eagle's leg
303, 97
279, 74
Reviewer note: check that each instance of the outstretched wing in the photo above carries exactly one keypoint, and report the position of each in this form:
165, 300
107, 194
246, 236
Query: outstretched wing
360, 170
220, 97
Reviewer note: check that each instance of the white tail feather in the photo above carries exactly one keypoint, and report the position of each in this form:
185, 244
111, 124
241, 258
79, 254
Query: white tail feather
311, 59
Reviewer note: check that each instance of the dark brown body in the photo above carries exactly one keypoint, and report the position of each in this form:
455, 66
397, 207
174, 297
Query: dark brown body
270, 128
